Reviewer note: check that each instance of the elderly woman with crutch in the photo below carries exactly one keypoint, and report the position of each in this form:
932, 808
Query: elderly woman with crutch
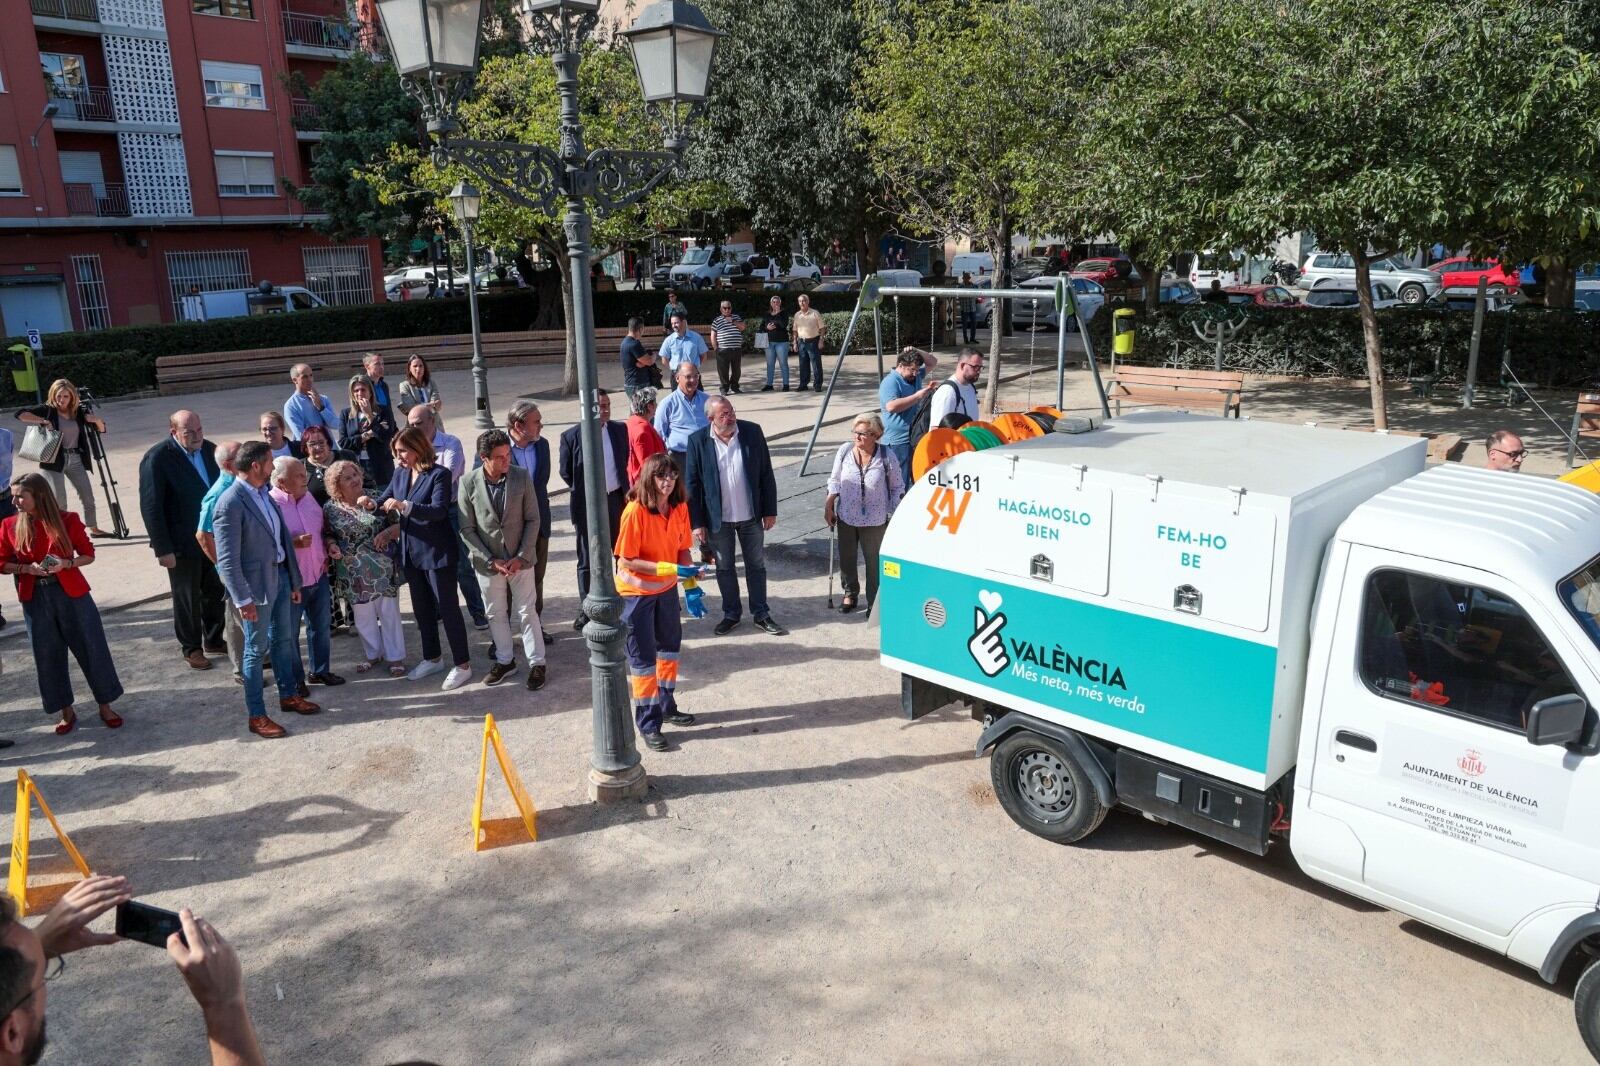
863, 491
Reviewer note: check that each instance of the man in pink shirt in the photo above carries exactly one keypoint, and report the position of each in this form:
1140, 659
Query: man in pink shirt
302, 517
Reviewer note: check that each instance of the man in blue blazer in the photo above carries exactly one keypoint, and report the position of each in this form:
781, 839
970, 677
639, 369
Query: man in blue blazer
614, 445
255, 560
733, 495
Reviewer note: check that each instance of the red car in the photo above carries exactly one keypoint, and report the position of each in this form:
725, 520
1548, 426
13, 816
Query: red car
1463, 272
1117, 276
1261, 296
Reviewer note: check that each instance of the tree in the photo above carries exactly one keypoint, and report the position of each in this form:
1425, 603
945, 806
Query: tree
778, 129
516, 101
947, 94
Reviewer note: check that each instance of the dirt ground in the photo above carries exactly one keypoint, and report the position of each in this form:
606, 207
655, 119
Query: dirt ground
812, 878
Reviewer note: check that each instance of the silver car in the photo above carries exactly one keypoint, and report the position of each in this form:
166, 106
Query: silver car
1327, 270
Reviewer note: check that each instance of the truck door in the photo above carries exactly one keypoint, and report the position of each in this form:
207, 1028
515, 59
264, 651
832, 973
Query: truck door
1420, 747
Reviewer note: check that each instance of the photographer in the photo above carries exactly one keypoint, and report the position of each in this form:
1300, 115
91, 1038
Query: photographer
67, 415
31, 957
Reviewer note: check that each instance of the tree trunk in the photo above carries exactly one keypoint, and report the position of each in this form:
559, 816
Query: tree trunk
547, 289
1369, 331
1002, 311
1560, 285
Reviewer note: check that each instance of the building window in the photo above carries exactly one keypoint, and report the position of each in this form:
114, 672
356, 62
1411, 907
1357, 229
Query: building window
206, 271
233, 85
92, 301
233, 9
246, 174
340, 275
10, 173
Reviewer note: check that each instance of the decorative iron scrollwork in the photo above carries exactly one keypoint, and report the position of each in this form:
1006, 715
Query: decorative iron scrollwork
529, 175
625, 178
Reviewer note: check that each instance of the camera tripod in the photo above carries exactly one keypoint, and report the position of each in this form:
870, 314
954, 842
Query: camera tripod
108, 480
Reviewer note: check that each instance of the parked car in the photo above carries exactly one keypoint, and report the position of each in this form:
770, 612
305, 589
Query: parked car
1025, 314
1328, 270
1177, 291
1342, 299
1467, 300
408, 284
1462, 272
1262, 296
1118, 276
237, 303
1033, 266
1208, 266
698, 270
837, 285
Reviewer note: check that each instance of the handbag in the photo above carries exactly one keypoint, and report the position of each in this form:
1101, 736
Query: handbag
40, 444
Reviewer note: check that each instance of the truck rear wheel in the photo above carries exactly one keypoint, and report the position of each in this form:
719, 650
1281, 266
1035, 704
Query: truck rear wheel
1044, 789
1586, 1006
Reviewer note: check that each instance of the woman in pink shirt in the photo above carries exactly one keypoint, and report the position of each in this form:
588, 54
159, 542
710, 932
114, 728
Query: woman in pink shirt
303, 518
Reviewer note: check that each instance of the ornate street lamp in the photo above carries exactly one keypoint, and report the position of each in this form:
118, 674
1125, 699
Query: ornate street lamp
435, 48
465, 202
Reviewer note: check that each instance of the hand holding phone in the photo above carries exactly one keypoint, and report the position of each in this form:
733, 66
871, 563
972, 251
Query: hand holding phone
147, 924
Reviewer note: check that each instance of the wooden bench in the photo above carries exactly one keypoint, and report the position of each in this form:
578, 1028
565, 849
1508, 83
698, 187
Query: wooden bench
335, 363
1165, 386
1585, 422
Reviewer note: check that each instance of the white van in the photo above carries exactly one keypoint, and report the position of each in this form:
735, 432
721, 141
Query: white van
978, 264
1277, 635
698, 270
238, 303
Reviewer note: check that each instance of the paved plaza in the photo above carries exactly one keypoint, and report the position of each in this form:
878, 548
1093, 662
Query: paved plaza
811, 879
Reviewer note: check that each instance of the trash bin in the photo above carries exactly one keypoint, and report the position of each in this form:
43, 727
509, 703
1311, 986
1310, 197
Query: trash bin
24, 375
1122, 331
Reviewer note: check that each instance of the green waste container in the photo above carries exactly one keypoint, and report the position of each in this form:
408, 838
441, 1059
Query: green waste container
24, 375
1122, 331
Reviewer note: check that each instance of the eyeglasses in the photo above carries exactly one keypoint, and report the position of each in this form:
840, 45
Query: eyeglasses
52, 969
861, 432
1518, 454
670, 475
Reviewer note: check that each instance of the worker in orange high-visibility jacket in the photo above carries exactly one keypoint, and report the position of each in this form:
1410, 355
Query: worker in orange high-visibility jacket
653, 548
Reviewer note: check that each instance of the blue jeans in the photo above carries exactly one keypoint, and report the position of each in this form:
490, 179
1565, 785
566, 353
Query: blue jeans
778, 355
902, 455
470, 594
271, 633
752, 545
810, 362
969, 327
314, 610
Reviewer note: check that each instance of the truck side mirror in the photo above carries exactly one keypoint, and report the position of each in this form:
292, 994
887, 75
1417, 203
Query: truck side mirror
1557, 720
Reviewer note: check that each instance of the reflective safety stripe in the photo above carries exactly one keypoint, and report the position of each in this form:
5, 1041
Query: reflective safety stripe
645, 688
630, 583
667, 671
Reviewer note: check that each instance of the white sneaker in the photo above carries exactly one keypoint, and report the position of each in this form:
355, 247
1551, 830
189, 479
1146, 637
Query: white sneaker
458, 676
425, 668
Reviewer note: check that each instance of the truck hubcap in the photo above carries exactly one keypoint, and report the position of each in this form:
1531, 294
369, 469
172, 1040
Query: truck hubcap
1042, 781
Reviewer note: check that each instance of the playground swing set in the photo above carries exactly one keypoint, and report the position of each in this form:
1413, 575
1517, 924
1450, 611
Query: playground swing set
939, 444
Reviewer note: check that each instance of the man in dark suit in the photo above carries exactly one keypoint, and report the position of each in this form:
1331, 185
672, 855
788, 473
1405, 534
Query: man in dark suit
733, 495
256, 562
173, 479
531, 451
614, 443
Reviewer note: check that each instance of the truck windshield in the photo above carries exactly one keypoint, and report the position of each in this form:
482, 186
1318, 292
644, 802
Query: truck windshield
696, 256
1581, 594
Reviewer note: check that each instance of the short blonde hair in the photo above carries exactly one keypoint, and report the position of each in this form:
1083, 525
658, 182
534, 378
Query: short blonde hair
336, 471
872, 421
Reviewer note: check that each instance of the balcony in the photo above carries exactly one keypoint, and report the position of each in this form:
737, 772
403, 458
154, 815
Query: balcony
83, 103
108, 200
78, 10
316, 35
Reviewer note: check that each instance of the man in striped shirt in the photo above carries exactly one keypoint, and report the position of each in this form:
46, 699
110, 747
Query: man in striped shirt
727, 340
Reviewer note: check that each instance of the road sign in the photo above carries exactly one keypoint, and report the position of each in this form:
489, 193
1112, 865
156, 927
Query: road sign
34, 341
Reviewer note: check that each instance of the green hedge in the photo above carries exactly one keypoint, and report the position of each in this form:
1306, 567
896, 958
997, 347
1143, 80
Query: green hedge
120, 360
106, 373
1558, 349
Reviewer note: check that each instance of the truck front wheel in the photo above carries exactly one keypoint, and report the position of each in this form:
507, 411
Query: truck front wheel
1586, 1005
1044, 789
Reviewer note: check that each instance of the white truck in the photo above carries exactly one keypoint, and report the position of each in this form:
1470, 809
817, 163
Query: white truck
1241, 627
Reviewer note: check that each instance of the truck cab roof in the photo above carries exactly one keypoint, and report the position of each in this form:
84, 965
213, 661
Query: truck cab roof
1533, 531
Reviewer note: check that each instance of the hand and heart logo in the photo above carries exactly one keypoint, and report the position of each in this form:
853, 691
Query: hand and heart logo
987, 647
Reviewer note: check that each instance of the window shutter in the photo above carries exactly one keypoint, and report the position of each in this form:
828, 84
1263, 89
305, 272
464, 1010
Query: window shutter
230, 170
258, 170
10, 173
213, 71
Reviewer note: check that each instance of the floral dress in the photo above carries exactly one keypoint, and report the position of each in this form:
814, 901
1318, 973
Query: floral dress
367, 571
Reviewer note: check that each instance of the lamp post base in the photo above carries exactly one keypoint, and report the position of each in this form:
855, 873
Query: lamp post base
608, 789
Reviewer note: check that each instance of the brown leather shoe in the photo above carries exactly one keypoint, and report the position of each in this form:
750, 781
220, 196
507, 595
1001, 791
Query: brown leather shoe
265, 727
299, 705
198, 660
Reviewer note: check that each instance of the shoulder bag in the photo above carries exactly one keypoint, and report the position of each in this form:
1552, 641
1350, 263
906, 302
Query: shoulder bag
40, 444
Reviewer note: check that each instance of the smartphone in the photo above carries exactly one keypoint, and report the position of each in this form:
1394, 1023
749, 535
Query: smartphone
147, 924
50, 562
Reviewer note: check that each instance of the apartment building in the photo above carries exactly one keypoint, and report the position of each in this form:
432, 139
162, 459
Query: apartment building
144, 149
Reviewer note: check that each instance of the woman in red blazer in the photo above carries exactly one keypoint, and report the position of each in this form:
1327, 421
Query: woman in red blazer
46, 549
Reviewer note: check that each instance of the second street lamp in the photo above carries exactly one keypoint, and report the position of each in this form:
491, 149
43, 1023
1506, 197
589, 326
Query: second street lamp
435, 49
465, 202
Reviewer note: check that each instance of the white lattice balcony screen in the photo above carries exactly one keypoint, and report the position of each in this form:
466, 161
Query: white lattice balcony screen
157, 174
140, 14
139, 70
